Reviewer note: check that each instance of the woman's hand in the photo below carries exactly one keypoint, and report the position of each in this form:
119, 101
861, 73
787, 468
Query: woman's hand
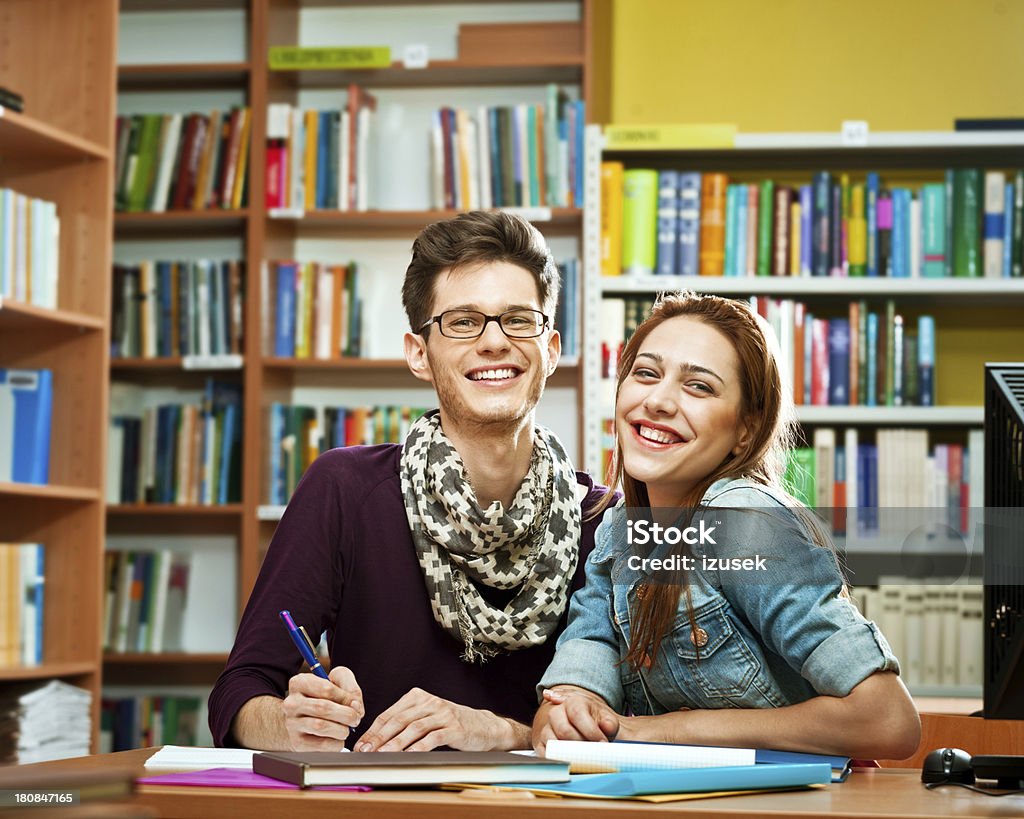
569, 712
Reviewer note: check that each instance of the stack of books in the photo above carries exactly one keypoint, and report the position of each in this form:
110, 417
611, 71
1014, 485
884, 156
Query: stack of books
43, 722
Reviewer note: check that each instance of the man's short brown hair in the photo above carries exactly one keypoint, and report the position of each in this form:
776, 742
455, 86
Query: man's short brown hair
470, 239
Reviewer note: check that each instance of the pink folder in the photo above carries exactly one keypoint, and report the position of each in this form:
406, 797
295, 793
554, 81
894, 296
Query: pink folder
234, 778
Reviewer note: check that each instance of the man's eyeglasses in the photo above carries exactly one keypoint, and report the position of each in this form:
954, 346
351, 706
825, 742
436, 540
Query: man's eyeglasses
522, 323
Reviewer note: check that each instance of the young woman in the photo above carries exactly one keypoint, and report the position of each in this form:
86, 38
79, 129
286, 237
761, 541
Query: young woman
770, 652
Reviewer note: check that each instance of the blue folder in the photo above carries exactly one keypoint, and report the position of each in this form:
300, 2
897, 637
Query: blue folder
690, 780
840, 764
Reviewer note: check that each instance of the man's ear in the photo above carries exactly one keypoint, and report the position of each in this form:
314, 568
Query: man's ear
415, 347
554, 351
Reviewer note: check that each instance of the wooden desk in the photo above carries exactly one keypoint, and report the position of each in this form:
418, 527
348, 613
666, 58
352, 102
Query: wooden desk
877, 793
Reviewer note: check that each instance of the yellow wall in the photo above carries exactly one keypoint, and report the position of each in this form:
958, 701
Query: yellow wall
786, 65
806, 65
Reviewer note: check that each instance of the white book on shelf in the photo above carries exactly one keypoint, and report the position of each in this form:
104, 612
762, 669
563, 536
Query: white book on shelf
824, 467
162, 575
972, 635
115, 455
483, 151
344, 160
437, 161
322, 310
932, 642
890, 618
125, 575
850, 447
364, 141
913, 632
297, 161
949, 673
995, 191
168, 154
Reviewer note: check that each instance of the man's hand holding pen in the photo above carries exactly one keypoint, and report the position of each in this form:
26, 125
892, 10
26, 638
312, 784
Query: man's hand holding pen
320, 713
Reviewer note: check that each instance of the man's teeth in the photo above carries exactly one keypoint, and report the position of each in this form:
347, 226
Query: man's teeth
493, 375
659, 436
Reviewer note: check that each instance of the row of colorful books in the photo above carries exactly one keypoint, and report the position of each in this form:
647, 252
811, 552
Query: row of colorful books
22, 594
510, 156
299, 433
145, 594
182, 161
148, 721
26, 412
897, 471
319, 159
686, 223
863, 358
177, 308
316, 311
912, 615
29, 249
180, 453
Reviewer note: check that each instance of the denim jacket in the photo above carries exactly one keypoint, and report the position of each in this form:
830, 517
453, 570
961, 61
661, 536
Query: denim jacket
767, 637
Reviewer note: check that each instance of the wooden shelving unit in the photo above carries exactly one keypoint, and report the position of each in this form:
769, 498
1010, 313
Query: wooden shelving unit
271, 235
60, 149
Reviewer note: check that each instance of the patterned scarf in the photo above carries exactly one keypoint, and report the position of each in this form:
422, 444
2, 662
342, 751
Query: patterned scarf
532, 547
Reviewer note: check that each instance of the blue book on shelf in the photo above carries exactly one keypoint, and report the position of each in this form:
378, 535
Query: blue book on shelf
872, 325
688, 780
742, 215
581, 121
871, 188
323, 151
821, 247
1008, 231
494, 146
668, 203
37, 594
900, 233
806, 228
26, 408
284, 329
839, 362
926, 361
731, 218
689, 223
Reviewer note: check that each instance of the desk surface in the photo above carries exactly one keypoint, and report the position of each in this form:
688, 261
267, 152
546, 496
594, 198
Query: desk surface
874, 793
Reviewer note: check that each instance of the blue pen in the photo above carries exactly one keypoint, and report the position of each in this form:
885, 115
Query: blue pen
304, 645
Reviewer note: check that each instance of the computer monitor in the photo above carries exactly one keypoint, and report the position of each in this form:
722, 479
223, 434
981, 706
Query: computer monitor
1003, 559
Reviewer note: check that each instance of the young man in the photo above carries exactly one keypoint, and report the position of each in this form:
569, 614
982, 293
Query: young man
441, 568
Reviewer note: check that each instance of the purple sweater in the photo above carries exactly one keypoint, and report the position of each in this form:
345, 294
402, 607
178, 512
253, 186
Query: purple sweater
342, 560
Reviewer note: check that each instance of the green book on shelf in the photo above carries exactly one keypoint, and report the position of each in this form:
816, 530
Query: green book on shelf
967, 204
145, 169
799, 477
765, 227
639, 219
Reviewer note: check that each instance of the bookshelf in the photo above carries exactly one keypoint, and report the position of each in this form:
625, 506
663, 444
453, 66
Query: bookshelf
60, 149
975, 317
214, 53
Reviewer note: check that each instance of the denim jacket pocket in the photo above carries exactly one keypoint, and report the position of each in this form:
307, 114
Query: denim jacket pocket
712, 658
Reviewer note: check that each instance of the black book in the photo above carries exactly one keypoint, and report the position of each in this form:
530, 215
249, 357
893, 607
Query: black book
407, 768
989, 124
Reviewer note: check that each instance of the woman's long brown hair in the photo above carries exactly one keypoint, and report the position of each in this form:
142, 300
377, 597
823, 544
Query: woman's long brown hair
764, 406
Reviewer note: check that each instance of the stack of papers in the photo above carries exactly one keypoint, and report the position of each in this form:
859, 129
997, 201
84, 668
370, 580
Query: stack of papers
39, 723
186, 758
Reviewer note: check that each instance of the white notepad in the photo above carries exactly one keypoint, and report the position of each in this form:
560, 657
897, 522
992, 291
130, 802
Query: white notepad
607, 757
185, 758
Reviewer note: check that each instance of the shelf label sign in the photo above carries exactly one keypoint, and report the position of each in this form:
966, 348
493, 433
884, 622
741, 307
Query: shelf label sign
854, 133
669, 137
416, 55
300, 58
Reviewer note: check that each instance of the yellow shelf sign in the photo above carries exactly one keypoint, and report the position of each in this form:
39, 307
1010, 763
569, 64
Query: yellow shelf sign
669, 137
299, 58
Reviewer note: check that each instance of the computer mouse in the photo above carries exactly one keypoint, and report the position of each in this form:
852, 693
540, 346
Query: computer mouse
947, 765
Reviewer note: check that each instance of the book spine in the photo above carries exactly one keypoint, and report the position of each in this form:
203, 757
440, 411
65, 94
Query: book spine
821, 247
967, 214
995, 192
838, 362
712, 228
926, 360
884, 210
871, 189
689, 223
933, 231
1008, 200
857, 232
806, 229
611, 216
667, 222
639, 222
780, 247
1017, 258
766, 228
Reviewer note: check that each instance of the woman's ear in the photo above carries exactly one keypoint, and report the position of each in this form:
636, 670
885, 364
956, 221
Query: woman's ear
744, 438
